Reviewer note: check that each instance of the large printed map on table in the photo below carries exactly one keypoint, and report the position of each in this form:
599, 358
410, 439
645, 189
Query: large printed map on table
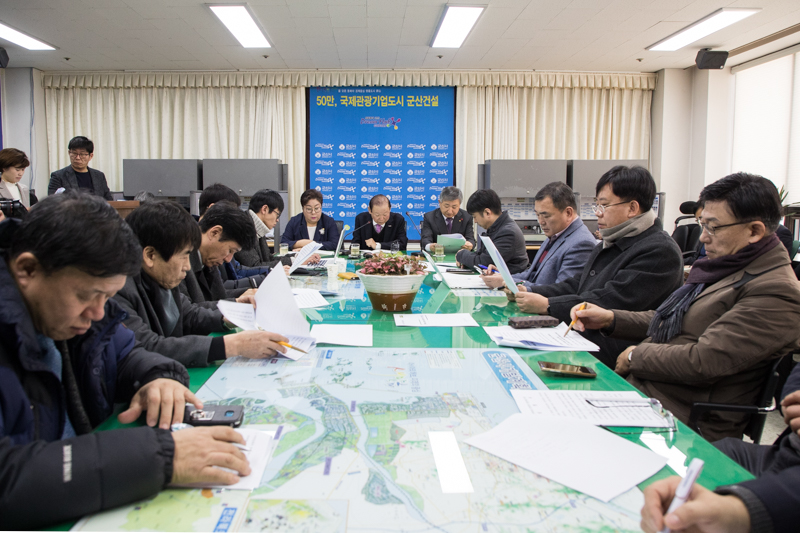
353, 452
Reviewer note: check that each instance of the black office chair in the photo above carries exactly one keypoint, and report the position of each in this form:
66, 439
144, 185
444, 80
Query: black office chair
340, 225
765, 405
687, 236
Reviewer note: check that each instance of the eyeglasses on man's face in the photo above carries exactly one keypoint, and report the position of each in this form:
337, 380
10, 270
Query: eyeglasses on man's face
79, 155
600, 209
711, 230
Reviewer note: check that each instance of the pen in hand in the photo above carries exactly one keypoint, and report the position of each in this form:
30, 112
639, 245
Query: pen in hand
685, 488
572, 324
292, 347
492, 271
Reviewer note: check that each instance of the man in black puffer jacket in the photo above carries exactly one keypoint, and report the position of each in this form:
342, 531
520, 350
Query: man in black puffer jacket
66, 358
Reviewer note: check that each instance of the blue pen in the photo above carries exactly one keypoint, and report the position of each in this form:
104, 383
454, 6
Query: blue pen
487, 268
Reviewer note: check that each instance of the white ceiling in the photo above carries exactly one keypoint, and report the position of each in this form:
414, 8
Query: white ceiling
583, 35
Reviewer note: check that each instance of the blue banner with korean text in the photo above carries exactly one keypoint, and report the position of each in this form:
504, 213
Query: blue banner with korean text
396, 141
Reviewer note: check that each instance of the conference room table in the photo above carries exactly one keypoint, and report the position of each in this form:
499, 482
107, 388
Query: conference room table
679, 446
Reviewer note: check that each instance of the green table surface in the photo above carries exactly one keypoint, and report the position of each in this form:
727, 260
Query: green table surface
435, 297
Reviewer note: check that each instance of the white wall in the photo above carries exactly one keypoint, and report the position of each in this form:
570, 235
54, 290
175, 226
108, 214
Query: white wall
23, 98
692, 133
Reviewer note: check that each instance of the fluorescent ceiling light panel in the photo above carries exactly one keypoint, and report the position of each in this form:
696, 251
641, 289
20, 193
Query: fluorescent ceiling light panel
25, 41
714, 22
456, 24
238, 20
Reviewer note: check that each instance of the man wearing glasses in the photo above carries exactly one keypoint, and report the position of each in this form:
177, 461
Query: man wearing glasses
635, 267
78, 175
715, 338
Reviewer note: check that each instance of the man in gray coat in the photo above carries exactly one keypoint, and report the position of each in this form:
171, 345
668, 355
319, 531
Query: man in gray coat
449, 218
567, 247
635, 268
486, 210
78, 175
164, 320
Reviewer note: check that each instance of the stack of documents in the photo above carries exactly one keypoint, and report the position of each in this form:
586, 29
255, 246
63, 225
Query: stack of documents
545, 339
576, 454
302, 256
451, 320
453, 280
600, 408
276, 310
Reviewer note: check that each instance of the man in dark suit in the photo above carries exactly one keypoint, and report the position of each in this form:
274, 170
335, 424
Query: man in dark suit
449, 218
78, 175
487, 211
385, 229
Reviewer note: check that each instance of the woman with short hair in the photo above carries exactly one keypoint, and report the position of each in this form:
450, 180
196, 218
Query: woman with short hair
311, 225
13, 163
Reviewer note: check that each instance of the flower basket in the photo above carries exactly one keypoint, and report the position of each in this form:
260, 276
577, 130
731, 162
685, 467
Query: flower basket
391, 281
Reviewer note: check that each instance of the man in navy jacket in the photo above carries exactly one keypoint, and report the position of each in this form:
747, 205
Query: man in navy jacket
379, 228
66, 358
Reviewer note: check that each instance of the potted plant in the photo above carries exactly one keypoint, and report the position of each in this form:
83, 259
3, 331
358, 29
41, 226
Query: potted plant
391, 281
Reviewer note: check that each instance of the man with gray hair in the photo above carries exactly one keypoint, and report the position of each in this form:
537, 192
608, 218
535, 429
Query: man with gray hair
568, 245
449, 218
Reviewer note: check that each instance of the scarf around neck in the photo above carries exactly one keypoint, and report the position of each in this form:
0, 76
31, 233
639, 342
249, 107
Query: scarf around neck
630, 228
261, 228
668, 320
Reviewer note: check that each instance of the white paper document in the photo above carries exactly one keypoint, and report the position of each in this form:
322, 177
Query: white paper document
258, 451
307, 298
571, 452
601, 408
500, 263
546, 339
302, 256
455, 281
452, 242
453, 475
343, 334
451, 320
480, 293
276, 311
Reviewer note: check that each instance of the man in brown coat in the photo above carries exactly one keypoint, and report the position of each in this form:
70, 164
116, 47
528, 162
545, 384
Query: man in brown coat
715, 338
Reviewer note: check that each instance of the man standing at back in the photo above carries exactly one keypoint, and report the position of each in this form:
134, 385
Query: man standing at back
567, 247
78, 175
637, 266
448, 219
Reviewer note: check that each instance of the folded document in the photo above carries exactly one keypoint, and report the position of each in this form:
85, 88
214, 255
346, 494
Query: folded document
545, 339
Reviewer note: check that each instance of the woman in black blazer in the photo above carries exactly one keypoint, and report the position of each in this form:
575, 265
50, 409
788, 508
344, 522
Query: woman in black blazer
296, 234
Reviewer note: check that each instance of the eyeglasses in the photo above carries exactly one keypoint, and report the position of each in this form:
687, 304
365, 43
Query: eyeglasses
312, 210
652, 403
79, 155
711, 230
600, 209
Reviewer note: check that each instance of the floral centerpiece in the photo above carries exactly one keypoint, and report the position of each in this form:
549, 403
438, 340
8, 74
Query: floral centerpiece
391, 280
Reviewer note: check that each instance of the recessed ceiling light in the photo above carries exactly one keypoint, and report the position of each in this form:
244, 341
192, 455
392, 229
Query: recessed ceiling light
25, 41
714, 22
241, 24
455, 25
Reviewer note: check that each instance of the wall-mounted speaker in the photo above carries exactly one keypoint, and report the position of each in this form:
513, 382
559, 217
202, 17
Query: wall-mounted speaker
3, 58
707, 59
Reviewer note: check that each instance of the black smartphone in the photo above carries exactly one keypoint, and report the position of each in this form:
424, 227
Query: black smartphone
460, 271
214, 415
572, 371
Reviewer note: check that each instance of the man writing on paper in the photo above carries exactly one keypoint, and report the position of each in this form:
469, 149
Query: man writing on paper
486, 210
163, 318
715, 338
386, 229
66, 358
635, 268
449, 219
567, 247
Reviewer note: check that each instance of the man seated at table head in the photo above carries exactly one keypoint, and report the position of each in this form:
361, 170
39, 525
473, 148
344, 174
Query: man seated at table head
78, 175
568, 245
225, 229
311, 225
379, 228
449, 218
163, 318
66, 358
716, 337
636, 267
486, 210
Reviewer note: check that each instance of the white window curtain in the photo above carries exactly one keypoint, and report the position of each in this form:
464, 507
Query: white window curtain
549, 123
179, 123
766, 123
511, 115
